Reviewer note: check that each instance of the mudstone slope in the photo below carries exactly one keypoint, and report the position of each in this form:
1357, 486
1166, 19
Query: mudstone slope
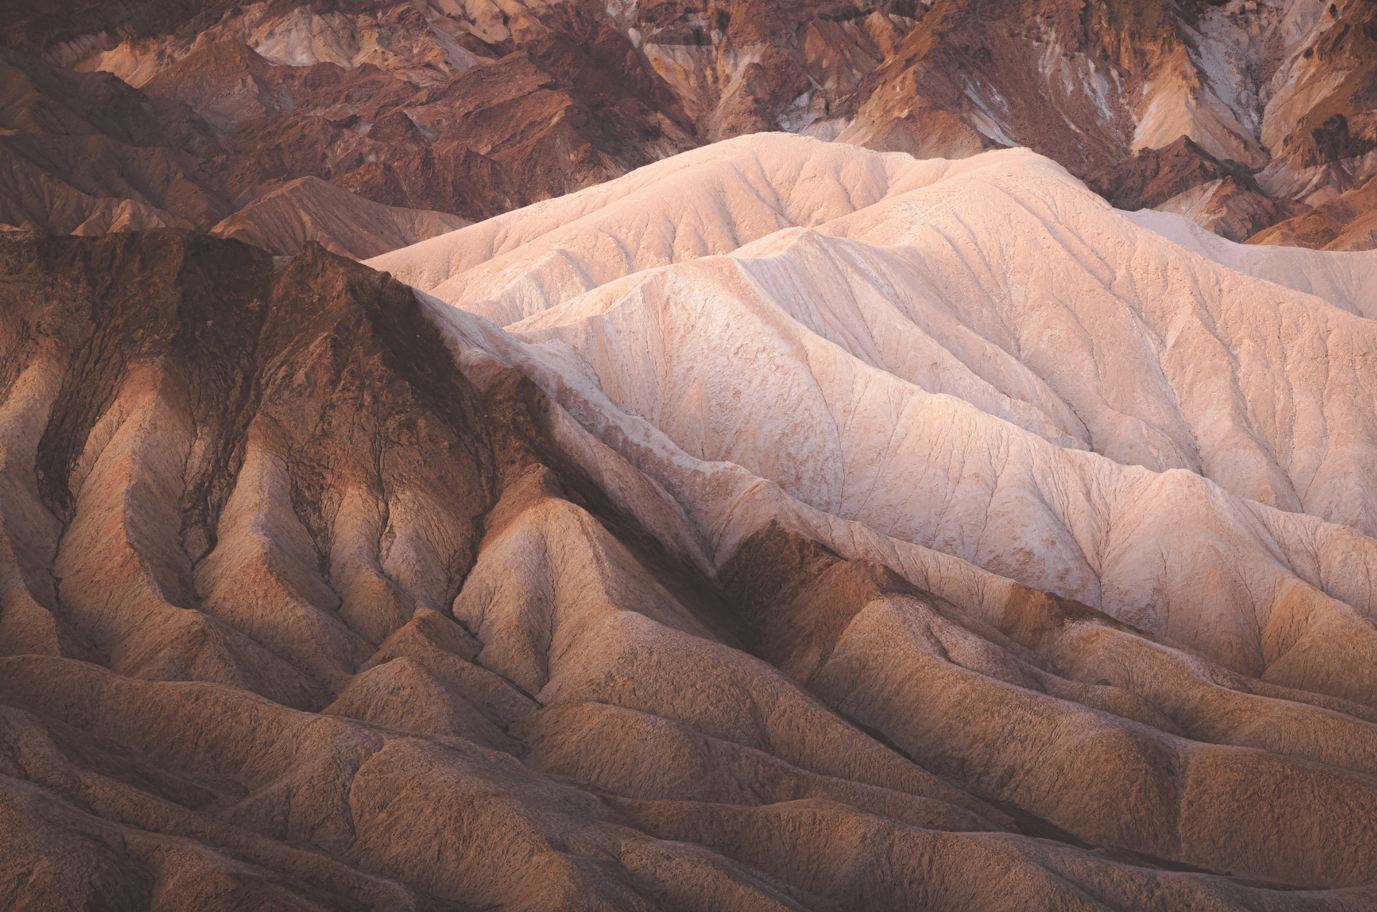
784, 525
1241, 115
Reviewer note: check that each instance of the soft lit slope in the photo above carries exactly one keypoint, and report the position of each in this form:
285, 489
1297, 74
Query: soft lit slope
842, 364
705, 202
1347, 282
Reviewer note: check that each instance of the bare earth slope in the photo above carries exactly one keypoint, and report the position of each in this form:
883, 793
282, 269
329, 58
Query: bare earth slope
1240, 114
980, 375
1347, 222
308, 209
813, 529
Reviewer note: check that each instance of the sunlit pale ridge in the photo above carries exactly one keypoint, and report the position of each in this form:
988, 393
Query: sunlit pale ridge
979, 358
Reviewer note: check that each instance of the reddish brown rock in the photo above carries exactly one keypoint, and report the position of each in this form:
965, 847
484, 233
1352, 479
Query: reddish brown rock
474, 110
1348, 222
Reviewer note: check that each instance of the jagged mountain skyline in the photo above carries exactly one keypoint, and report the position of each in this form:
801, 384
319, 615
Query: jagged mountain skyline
1254, 118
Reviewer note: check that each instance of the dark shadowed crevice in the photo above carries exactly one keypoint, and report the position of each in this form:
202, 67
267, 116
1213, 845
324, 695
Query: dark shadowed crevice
519, 412
796, 596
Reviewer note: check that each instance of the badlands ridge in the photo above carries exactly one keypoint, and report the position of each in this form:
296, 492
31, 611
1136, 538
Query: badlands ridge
383, 119
783, 525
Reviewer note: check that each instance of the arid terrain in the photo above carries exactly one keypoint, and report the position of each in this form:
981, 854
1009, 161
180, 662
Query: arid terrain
1257, 119
478, 455
785, 525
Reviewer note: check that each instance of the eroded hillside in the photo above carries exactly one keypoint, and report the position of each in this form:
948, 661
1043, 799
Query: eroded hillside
386, 122
782, 526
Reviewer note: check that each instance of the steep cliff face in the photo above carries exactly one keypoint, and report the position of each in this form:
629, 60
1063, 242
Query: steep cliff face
1250, 111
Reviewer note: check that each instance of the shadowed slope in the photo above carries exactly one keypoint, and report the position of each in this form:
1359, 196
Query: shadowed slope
816, 378
254, 426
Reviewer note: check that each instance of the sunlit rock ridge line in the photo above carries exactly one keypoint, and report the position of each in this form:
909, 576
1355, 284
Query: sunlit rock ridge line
978, 358
366, 125
783, 525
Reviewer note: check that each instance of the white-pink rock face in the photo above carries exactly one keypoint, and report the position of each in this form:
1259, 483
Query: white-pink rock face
974, 370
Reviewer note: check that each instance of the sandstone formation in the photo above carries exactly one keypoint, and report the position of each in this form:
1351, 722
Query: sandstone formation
784, 525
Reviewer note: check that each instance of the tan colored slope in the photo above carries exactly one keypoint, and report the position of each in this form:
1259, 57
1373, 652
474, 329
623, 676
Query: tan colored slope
232, 545
379, 634
1190, 550
643, 664
210, 544
707, 202
308, 209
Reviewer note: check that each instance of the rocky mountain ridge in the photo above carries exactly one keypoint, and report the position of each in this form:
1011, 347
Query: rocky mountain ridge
1240, 115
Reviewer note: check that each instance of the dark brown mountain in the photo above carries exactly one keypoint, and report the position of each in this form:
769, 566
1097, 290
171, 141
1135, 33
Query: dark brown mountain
1247, 112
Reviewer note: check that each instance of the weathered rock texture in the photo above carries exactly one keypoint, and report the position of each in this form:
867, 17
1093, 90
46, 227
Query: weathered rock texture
1239, 114
783, 526
1347, 222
